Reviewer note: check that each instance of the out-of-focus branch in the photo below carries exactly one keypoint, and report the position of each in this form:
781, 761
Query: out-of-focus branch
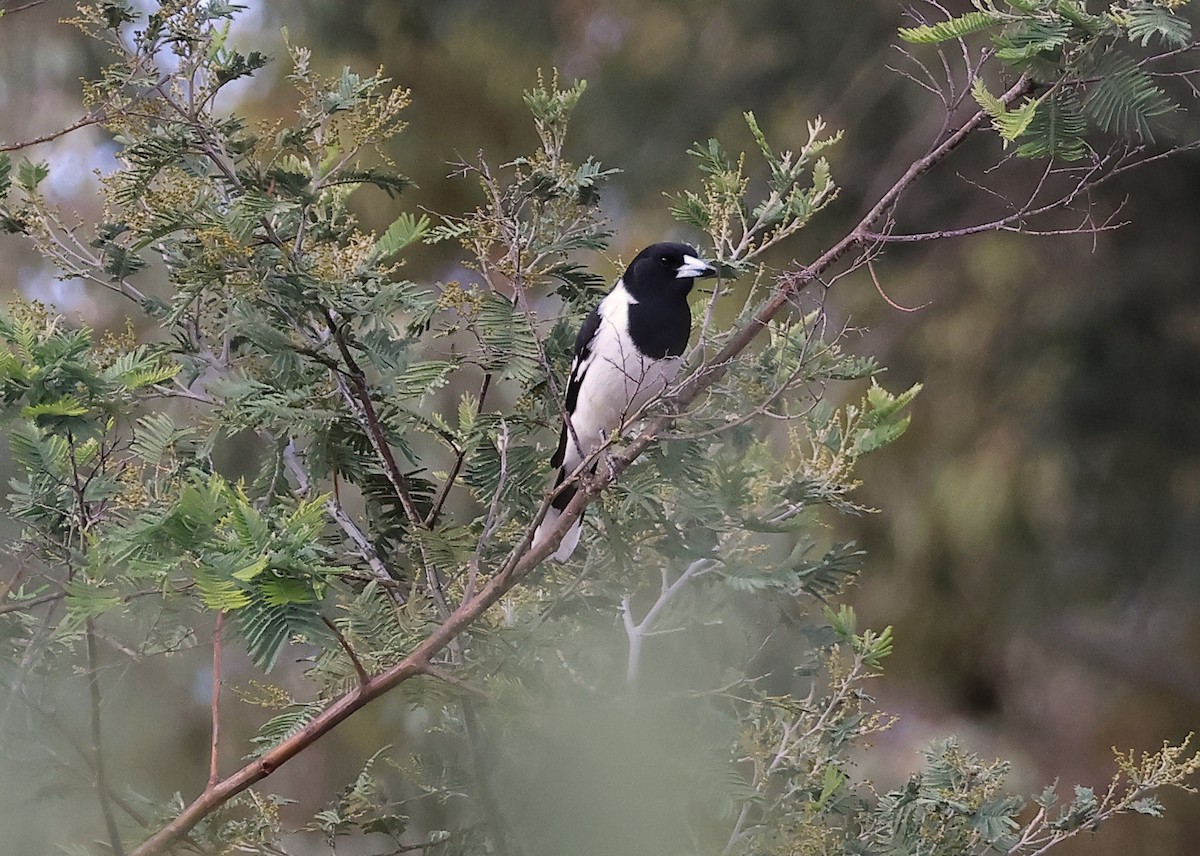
637, 632
110, 821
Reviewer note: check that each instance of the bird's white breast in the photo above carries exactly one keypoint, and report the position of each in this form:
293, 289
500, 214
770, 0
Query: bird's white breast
619, 380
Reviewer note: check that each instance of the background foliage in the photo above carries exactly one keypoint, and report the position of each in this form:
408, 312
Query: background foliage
1046, 508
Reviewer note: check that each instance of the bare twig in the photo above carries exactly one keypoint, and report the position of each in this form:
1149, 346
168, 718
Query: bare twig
360, 400
363, 675
333, 507
888, 300
459, 460
90, 119
215, 704
435, 671
11, 583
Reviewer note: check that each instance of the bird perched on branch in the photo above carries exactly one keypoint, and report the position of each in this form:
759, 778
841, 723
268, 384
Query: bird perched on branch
627, 351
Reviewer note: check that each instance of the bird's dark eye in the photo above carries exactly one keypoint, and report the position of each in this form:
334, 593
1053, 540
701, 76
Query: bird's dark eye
665, 261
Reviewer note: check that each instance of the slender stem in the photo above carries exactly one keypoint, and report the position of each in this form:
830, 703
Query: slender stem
459, 460
110, 821
333, 507
90, 119
371, 422
363, 675
16, 605
215, 704
446, 676
11, 583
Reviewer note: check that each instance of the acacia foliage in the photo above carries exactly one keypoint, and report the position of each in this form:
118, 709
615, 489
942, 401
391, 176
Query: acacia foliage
400, 430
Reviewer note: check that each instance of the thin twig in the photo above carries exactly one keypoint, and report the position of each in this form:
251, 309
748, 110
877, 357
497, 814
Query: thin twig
888, 300
460, 458
91, 119
435, 671
11, 583
365, 408
333, 507
215, 703
364, 677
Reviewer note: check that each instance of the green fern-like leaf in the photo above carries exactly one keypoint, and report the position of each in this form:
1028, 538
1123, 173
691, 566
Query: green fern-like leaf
1010, 124
1074, 12
690, 209
66, 406
155, 435
712, 156
268, 627
1032, 39
139, 368
423, 377
284, 725
955, 28
220, 595
405, 231
1057, 129
249, 528
1124, 100
1149, 21
37, 452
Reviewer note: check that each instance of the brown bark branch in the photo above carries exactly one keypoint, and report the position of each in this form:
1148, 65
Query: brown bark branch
525, 557
215, 712
358, 380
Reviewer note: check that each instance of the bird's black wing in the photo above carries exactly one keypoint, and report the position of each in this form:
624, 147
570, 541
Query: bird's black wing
583, 349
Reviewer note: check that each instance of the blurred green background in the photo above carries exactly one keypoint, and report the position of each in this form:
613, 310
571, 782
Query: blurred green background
1038, 541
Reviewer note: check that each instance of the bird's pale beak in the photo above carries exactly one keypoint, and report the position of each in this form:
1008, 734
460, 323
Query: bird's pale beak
693, 268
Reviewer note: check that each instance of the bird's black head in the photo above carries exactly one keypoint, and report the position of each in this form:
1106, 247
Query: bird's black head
665, 269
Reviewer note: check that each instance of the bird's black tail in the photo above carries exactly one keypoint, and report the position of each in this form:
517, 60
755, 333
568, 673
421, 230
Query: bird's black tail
560, 501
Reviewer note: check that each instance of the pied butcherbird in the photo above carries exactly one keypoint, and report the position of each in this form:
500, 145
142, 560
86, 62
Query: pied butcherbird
629, 348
